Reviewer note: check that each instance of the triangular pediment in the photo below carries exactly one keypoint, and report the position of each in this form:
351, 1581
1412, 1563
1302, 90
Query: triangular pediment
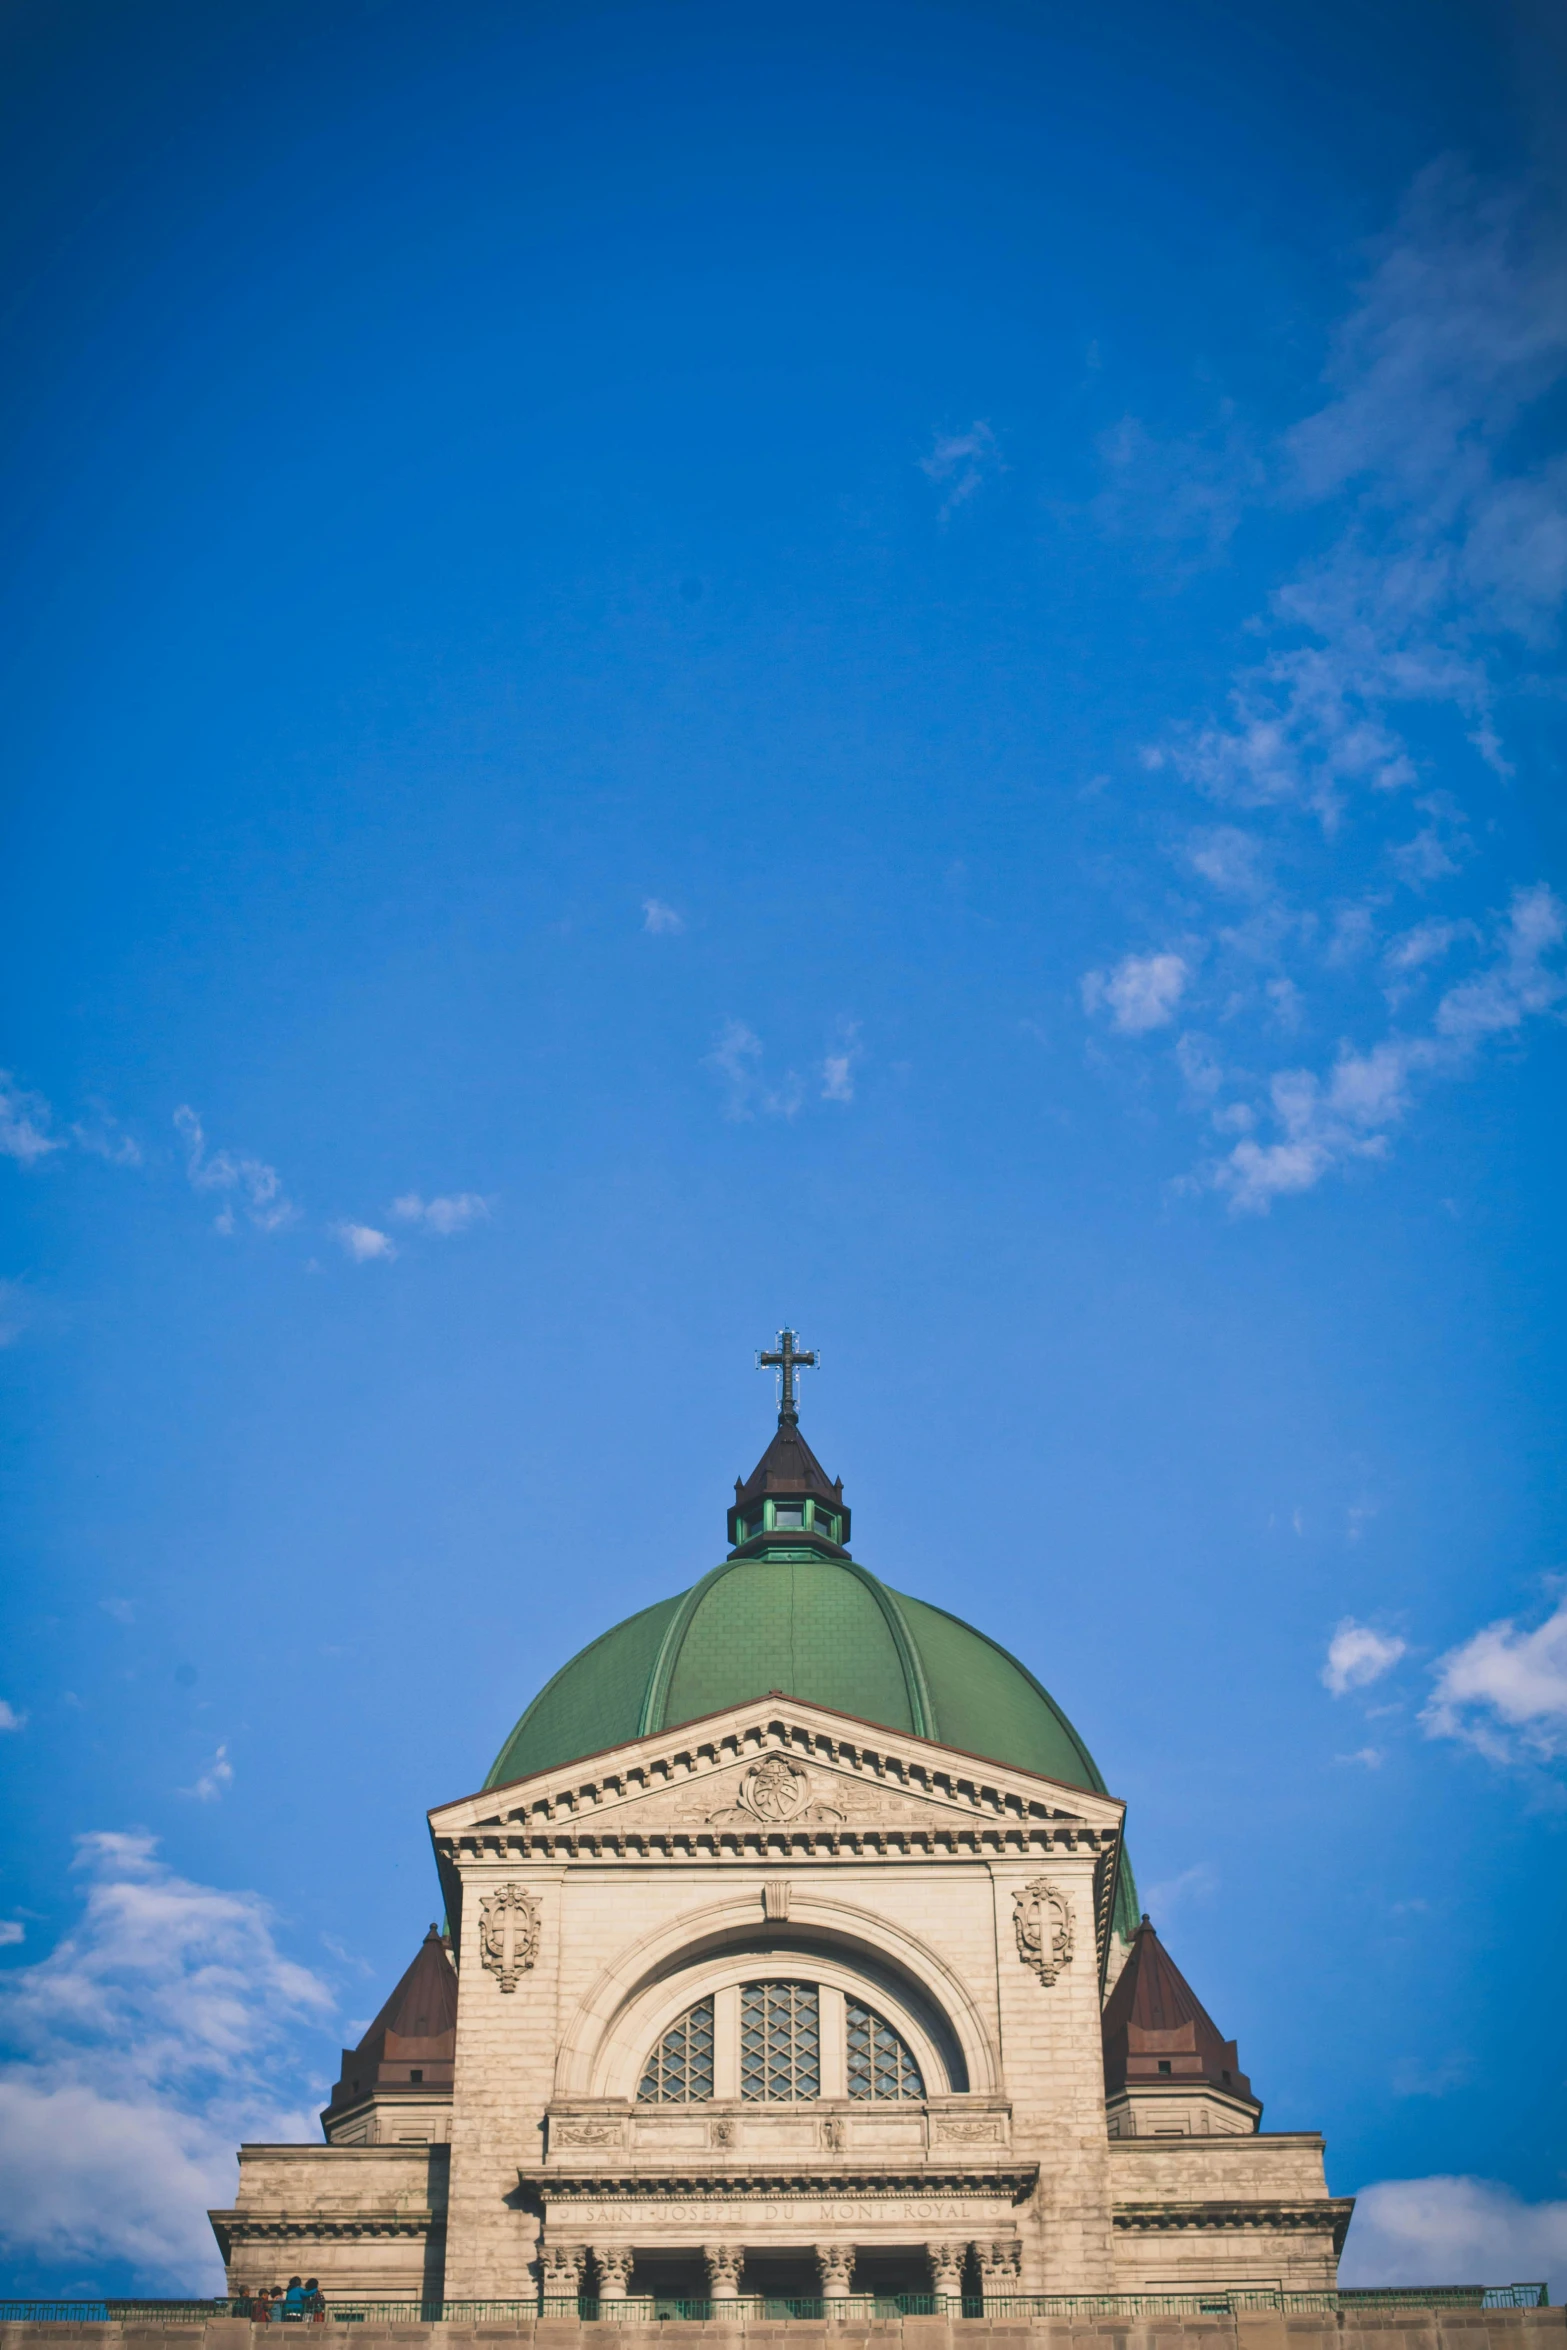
775, 1767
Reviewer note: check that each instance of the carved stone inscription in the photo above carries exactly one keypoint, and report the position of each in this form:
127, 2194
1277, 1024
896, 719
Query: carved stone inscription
508, 1934
1042, 1917
971, 2214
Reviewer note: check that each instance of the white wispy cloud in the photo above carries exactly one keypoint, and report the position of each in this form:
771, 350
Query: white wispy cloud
1324, 1121
1370, 1758
102, 1136
1179, 1892
10, 1717
1188, 494
453, 1212
364, 1243
12, 1931
738, 1059
1461, 325
839, 1065
1431, 2076
252, 1186
16, 1311
661, 920
1357, 1656
1369, 733
155, 2036
1504, 1691
1521, 981
1427, 942
959, 462
25, 1122
1436, 2231
1229, 859
215, 1781
28, 1132
1140, 993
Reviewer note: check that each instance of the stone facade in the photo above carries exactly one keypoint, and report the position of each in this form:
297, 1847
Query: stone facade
1406, 2328
367, 2220
965, 1908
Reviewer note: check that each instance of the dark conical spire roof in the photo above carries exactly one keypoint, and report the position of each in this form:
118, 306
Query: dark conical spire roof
788, 1466
414, 2034
424, 2004
789, 1473
1157, 2029
788, 1493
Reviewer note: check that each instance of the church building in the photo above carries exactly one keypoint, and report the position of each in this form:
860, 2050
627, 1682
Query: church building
792, 1955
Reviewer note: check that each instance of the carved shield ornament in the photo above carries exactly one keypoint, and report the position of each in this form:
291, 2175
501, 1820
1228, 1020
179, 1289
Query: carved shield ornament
508, 1934
1042, 1916
775, 1790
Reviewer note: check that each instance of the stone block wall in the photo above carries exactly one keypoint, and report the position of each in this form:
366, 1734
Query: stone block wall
1194, 2213
364, 2219
1404, 2328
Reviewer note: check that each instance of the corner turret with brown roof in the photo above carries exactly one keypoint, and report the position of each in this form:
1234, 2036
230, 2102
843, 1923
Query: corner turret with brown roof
399, 2078
1169, 2071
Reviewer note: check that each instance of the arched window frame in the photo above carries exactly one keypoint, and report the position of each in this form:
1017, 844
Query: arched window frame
624, 2058
604, 2044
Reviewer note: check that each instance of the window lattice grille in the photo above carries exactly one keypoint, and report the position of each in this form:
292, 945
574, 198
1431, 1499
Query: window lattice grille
680, 2069
880, 2065
780, 2042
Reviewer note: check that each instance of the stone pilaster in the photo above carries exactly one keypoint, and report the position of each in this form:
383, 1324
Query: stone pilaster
563, 2265
1048, 1987
999, 2268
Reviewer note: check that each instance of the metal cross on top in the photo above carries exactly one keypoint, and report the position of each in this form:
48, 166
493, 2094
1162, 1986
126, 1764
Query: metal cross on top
787, 1358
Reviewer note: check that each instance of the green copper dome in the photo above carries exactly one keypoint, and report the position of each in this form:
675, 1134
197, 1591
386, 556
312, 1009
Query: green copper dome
790, 1610
822, 1629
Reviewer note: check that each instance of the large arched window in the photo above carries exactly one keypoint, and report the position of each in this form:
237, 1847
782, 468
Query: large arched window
680, 2069
780, 2042
880, 2064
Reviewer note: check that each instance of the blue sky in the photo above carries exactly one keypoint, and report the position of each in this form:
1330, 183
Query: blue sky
670, 669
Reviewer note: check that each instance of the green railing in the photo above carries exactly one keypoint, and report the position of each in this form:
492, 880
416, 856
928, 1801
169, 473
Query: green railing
754, 2309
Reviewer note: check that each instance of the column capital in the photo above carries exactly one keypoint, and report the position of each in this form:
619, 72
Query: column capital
946, 2268
613, 2262
563, 2265
723, 2270
1000, 2266
835, 2265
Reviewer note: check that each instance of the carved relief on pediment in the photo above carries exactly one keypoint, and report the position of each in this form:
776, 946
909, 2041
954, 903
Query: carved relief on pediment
777, 1793
772, 1773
